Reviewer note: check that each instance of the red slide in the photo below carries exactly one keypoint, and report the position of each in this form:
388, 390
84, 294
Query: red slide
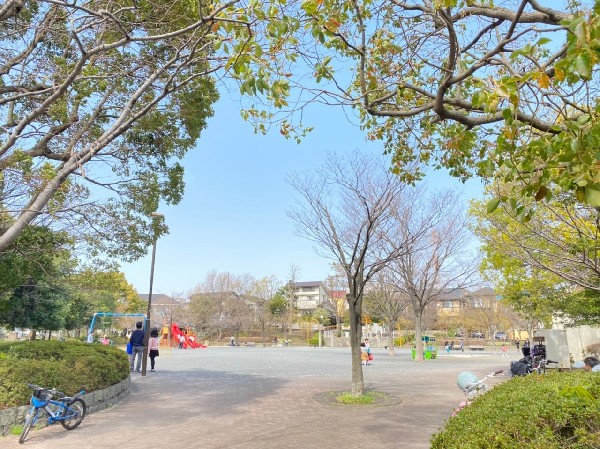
190, 341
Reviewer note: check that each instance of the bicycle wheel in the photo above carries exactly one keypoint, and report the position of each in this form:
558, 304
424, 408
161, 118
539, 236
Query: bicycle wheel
30, 419
73, 414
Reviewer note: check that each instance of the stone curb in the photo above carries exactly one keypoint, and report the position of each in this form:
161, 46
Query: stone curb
94, 401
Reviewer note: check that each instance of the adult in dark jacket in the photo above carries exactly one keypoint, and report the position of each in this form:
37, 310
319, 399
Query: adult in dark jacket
137, 347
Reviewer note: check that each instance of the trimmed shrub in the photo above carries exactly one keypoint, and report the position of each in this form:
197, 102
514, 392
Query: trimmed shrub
67, 366
314, 340
558, 410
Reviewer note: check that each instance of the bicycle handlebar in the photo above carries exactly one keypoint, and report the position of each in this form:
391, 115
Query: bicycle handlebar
52, 391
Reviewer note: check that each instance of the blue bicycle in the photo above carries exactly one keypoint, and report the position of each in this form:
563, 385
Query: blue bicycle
69, 411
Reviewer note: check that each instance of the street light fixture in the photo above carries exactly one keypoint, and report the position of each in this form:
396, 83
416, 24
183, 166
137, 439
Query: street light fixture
154, 216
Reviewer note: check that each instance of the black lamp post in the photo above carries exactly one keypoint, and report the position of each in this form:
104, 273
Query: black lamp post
147, 327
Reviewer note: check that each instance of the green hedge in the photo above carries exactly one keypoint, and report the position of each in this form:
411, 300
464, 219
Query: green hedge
552, 411
66, 366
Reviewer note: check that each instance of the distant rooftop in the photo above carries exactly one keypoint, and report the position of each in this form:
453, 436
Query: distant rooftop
161, 299
308, 284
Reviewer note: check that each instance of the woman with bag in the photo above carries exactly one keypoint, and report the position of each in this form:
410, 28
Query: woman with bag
153, 347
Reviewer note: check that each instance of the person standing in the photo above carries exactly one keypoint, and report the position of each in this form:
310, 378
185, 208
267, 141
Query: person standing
181, 341
504, 350
153, 348
137, 347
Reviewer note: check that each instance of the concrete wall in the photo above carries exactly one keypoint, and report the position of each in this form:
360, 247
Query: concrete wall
568, 345
94, 401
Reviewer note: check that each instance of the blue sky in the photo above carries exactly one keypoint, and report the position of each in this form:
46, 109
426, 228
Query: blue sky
233, 218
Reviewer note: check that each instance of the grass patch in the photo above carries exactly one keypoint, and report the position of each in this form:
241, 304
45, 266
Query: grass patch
367, 398
16, 430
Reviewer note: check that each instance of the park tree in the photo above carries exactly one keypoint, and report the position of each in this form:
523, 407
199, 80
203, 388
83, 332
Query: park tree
204, 310
346, 207
562, 238
278, 308
385, 302
496, 90
101, 290
547, 265
264, 291
34, 274
106, 96
36, 306
237, 314
436, 258
336, 285
101, 99
32, 257
213, 303
289, 294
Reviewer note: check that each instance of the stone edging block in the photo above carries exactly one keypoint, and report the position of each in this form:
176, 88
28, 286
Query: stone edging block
94, 400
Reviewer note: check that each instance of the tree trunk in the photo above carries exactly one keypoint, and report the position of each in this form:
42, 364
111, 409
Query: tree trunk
358, 384
418, 335
390, 332
32, 335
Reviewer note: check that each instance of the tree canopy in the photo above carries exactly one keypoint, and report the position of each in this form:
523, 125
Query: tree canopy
505, 91
98, 101
563, 239
546, 265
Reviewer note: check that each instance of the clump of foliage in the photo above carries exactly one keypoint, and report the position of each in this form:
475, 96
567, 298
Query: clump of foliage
594, 349
367, 398
555, 410
66, 366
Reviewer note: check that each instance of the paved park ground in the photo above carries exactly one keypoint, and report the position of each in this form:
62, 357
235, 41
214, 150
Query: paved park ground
255, 397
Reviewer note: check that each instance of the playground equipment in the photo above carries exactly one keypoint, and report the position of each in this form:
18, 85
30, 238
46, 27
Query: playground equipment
429, 348
189, 339
90, 336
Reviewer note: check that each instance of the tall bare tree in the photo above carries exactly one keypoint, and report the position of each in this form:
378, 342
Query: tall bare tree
213, 302
336, 285
289, 294
436, 256
263, 291
386, 302
345, 207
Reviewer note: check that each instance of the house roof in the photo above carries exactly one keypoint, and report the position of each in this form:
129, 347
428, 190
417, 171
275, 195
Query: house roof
452, 293
335, 294
308, 284
485, 291
161, 299
217, 295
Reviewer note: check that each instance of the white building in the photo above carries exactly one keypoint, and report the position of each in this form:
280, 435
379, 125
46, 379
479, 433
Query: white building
310, 296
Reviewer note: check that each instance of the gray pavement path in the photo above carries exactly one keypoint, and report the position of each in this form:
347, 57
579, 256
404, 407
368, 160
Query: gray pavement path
251, 398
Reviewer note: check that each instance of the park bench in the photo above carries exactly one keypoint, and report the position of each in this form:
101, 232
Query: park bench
249, 343
476, 347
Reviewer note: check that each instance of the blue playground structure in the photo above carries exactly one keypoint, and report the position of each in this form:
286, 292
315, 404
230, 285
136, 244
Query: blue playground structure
90, 336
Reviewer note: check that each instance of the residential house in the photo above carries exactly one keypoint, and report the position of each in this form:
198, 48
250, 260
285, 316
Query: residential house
310, 296
451, 301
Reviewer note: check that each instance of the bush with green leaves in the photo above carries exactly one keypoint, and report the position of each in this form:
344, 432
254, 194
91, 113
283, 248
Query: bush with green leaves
558, 410
66, 366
